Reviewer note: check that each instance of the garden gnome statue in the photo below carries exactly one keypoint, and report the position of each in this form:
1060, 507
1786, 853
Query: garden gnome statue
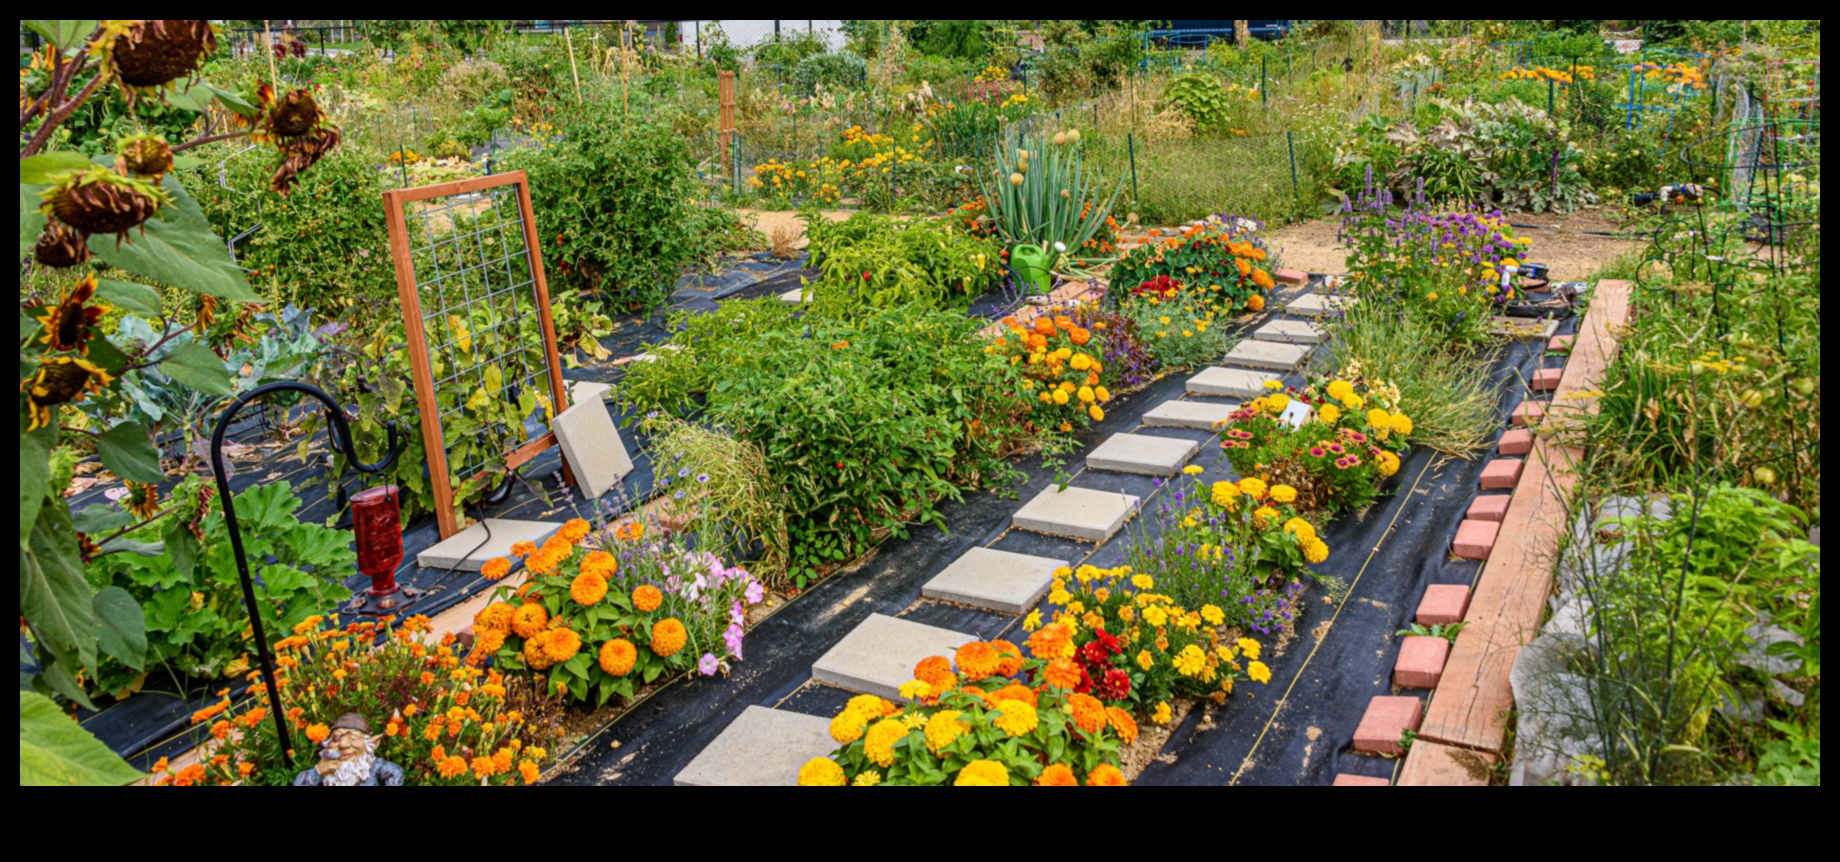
348, 758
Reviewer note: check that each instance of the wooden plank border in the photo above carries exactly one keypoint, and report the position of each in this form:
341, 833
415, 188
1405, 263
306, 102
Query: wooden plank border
1470, 707
409, 294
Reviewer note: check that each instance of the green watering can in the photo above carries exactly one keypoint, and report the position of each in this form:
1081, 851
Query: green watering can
1032, 265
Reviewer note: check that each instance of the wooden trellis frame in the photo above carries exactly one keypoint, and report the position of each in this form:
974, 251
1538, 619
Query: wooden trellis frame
409, 287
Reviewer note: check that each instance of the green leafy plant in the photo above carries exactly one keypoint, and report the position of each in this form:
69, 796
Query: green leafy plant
1199, 96
874, 261
1447, 631
1040, 193
840, 70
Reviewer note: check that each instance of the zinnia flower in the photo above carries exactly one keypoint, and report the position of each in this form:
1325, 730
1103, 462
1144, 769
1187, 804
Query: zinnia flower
495, 568
976, 660
493, 617
1106, 775
587, 589
944, 728
573, 530
1088, 712
668, 637
561, 645
821, 772
1283, 493
618, 656
647, 598
1016, 717
1056, 775
1015, 691
1009, 658
1122, 723
528, 620
1062, 673
983, 773
878, 743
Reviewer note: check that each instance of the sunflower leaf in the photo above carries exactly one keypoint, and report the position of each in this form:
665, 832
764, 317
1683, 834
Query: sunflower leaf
127, 450
177, 247
138, 298
193, 364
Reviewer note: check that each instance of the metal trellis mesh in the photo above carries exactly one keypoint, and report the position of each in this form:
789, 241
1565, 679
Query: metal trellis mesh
477, 293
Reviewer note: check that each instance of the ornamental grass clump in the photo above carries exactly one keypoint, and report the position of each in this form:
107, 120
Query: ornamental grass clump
1039, 191
1112, 635
602, 615
441, 717
1337, 458
1453, 402
986, 717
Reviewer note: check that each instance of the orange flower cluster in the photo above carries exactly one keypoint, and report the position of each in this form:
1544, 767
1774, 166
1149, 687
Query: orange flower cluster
1062, 380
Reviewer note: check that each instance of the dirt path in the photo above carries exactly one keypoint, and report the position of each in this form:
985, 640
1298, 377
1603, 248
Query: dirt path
1564, 242
769, 221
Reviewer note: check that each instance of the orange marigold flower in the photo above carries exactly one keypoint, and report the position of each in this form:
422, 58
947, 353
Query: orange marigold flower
668, 637
210, 712
647, 598
220, 728
528, 770
560, 646
976, 660
1105, 775
1016, 691
573, 530
600, 564
1255, 302
1262, 279
493, 617
631, 531
318, 732
1080, 335
453, 767
936, 671
1056, 775
522, 548
1050, 642
618, 656
189, 776
1009, 658
1088, 712
528, 620
1122, 722
1062, 673
495, 568
587, 589
1044, 326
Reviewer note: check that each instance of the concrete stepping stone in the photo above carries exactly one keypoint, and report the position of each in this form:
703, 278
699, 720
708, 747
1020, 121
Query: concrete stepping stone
1142, 453
879, 654
761, 748
1290, 332
1267, 355
794, 296
1076, 513
1319, 305
1231, 382
1188, 414
1001, 581
453, 551
592, 446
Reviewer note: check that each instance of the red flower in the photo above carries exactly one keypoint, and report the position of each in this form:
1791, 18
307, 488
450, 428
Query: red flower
865, 275
1115, 686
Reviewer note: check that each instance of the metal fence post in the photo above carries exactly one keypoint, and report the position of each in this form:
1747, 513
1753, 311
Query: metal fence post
1130, 142
1290, 143
1264, 98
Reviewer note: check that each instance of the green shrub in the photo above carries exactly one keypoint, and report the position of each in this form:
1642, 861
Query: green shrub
324, 246
875, 261
839, 70
866, 424
618, 198
1201, 97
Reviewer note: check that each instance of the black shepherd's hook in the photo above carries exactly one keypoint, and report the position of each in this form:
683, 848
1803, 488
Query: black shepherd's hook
340, 433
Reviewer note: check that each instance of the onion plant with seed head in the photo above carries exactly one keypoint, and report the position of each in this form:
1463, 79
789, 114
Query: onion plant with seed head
1039, 190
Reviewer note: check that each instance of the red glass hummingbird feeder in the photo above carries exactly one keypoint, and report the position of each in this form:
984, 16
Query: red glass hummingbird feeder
376, 520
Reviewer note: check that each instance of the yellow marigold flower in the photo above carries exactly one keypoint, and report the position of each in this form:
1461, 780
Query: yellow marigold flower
1283, 494
1080, 362
870, 705
1225, 495
1340, 390
1105, 774
1214, 615
1273, 385
1059, 396
668, 636
1155, 615
1258, 672
1060, 597
943, 729
916, 690
1143, 582
1252, 487
1190, 661
1032, 621
1248, 646
878, 743
1277, 401
1315, 551
1122, 723
1192, 470
1103, 394
1387, 462
587, 589
1401, 423
618, 656
1328, 414
1379, 421
493, 617
1161, 714
1097, 414
1086, 395
1264, 516
1354, 402
1057, 775
821, 772
528, 620
1144, 659
1016, 717
849, 725
647, 598
1300, 528
983, 773
495, 568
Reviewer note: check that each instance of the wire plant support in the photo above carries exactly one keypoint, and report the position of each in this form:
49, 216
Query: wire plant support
340, 432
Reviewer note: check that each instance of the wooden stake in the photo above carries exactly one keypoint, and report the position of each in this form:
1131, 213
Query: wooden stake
570, 39
274, 77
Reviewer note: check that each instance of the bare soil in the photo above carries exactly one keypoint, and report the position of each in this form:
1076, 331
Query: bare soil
1562, 242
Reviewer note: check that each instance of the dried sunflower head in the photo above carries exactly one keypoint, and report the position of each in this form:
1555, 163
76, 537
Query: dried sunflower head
60, 380
143, 500
147, 55
60, 245
301, 156
146, 155
99, 200
68, 324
